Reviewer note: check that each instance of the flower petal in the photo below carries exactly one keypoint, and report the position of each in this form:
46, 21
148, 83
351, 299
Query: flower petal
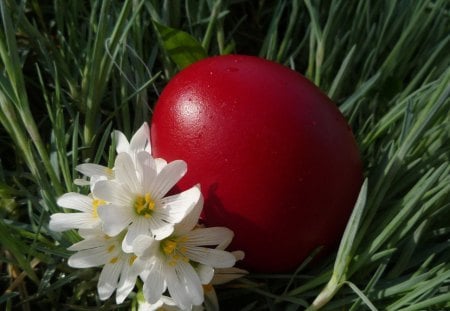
121, 141
160, 163
76, 201
141, 139
89, 258
205, 273
174, 208
91, 242
114, 218
91, 169
168, 177
66, 221
212, 257
191, 219
140, 226
126, 173
81, 182
143, 265
177, 289
165, 303
96, 178
239, 255
146, 166
127, 281
189, 278
159, 228
95, 233
226, 275
154, 284
209, 237
145, 246
108, 280
113, 192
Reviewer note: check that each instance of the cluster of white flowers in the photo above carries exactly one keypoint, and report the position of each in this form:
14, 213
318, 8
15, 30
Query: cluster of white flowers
132, 228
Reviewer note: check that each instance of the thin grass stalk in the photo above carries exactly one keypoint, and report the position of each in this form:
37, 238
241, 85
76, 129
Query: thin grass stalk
99, 67
19, 100
211, 24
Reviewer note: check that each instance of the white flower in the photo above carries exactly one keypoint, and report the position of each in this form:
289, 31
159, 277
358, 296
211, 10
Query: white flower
131, 227
87, 219
171, 263
137, 198
118, 273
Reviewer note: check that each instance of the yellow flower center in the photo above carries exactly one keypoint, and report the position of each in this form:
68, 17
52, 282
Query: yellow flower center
144, 205
174, 250
168, 246
95, 204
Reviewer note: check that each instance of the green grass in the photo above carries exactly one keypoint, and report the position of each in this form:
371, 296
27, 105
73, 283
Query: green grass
72, 71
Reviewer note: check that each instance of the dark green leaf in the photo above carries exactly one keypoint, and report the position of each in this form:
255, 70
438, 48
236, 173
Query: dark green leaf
181, 47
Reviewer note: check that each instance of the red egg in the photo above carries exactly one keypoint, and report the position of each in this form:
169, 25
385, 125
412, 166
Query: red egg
276, 160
